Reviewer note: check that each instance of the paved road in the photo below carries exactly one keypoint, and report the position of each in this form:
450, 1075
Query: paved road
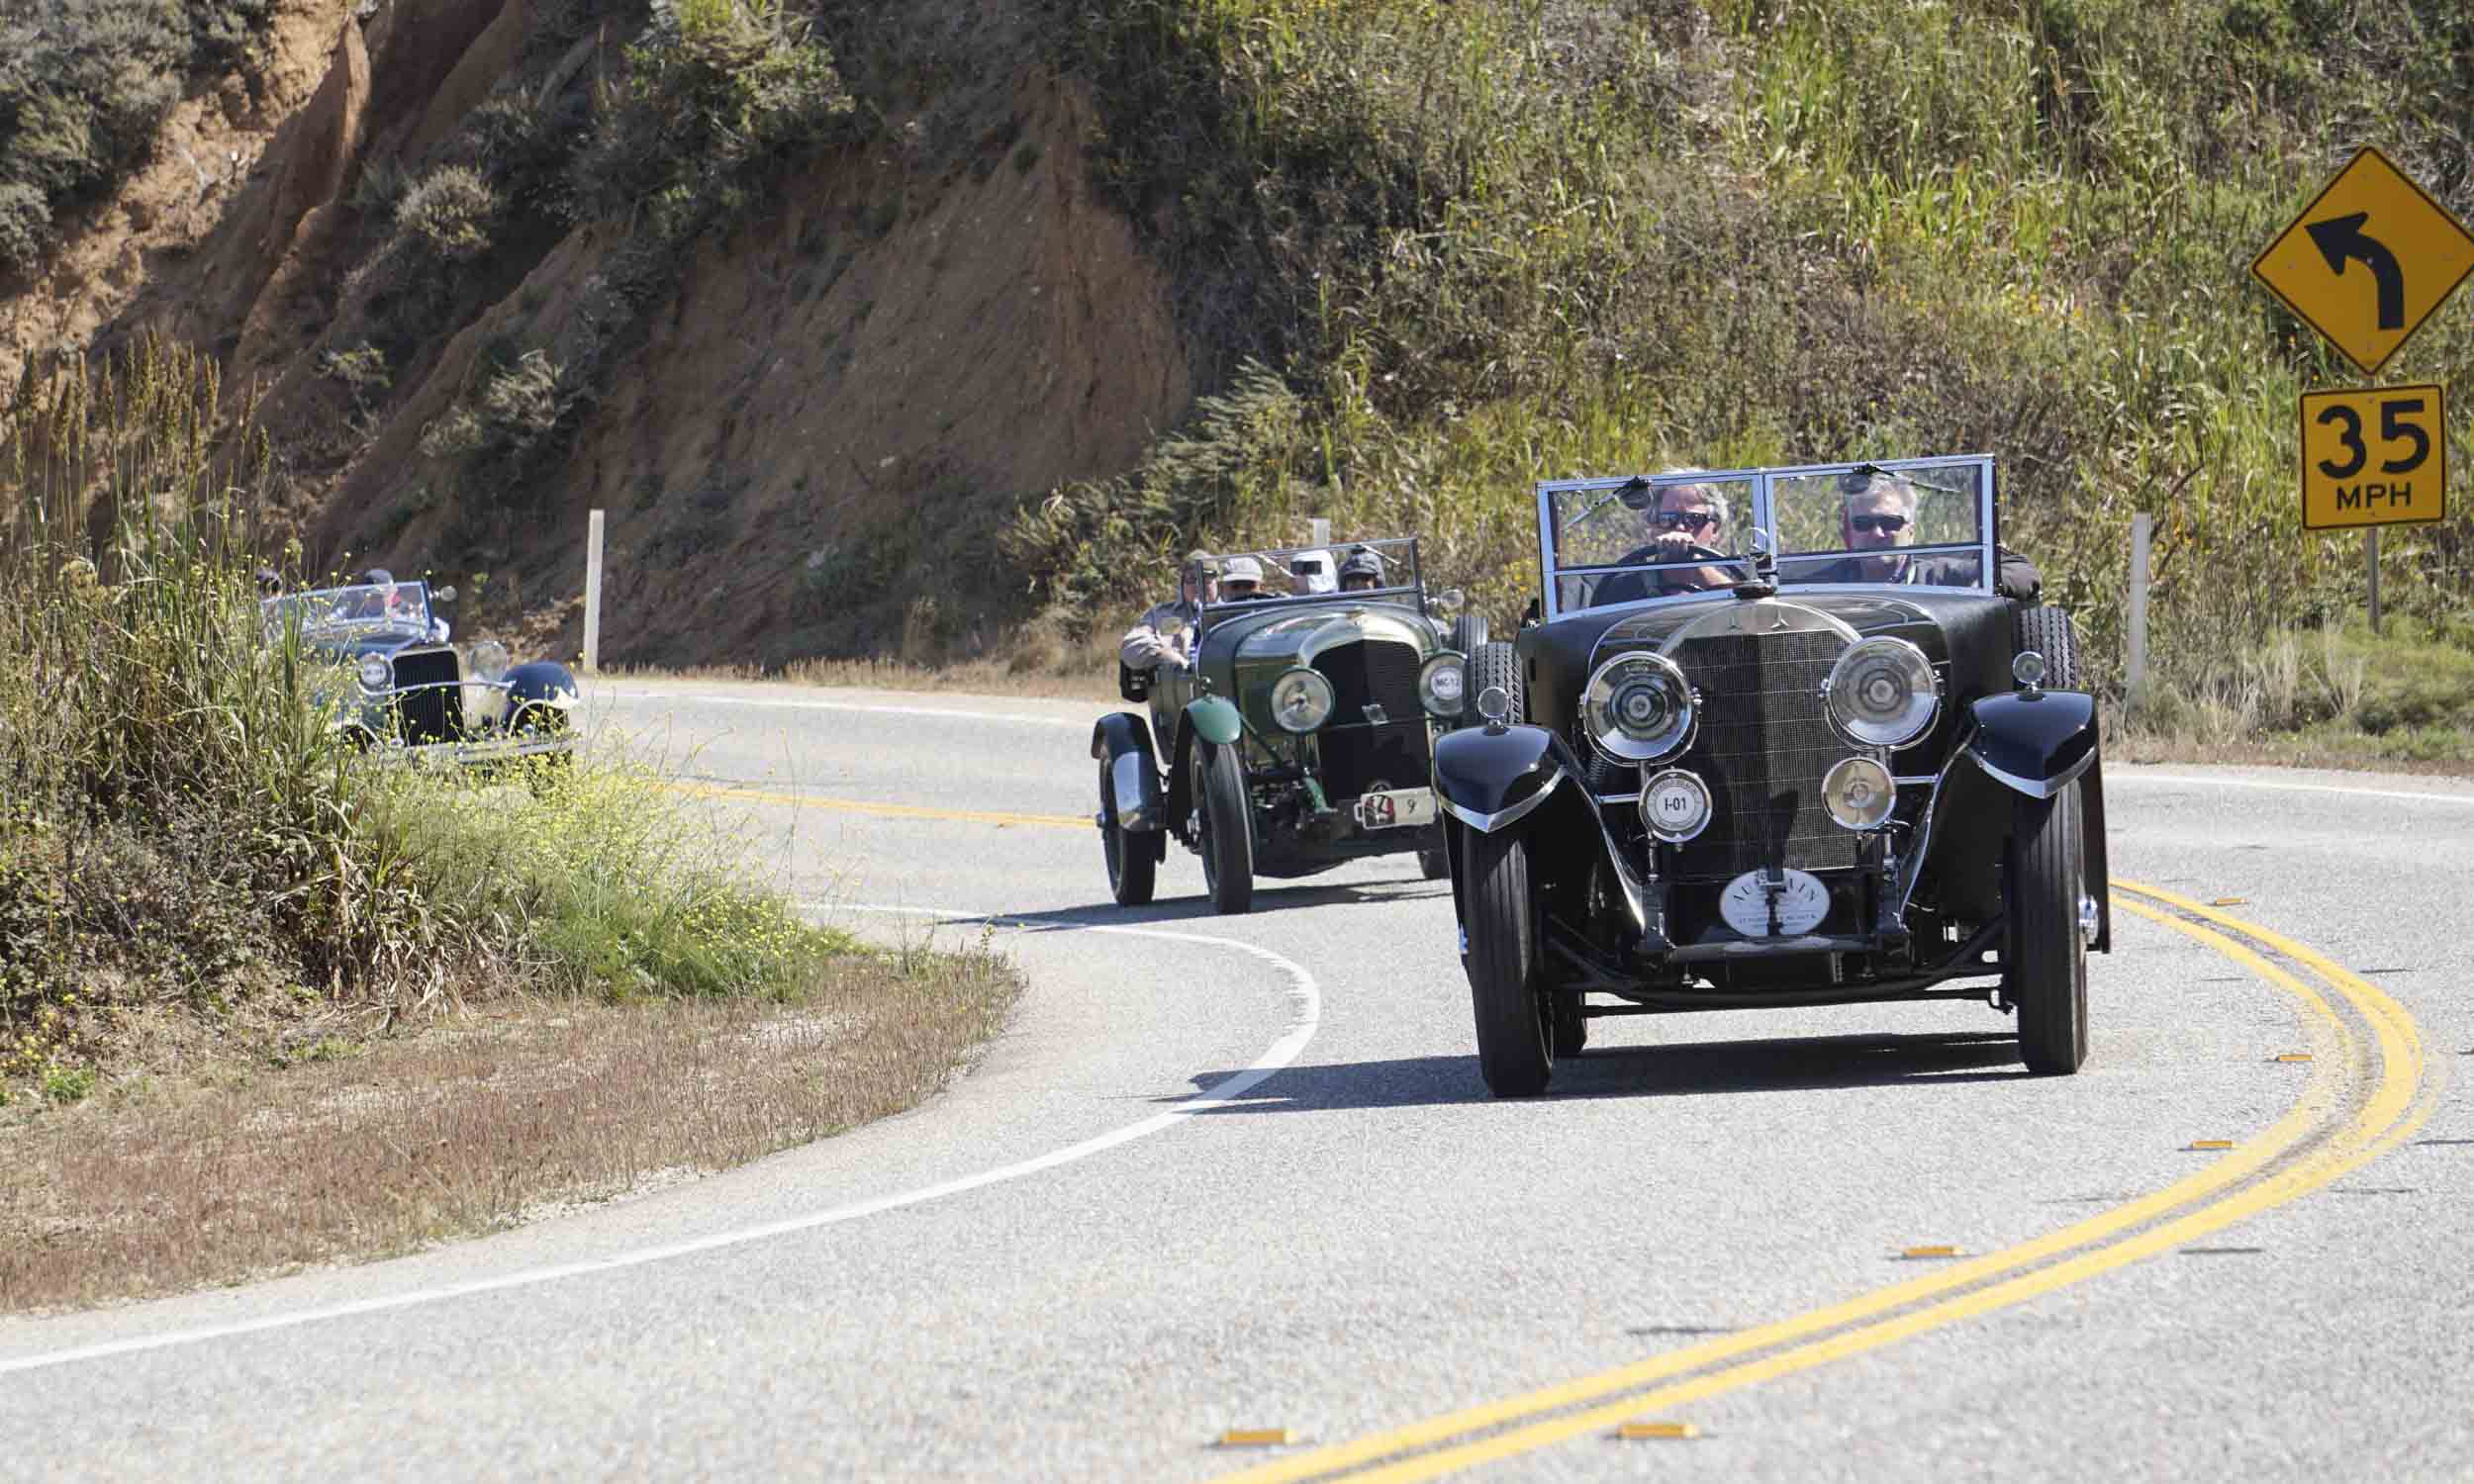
1240, 1173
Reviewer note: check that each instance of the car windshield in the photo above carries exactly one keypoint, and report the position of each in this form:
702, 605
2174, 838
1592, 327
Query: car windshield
1622, 540
1644, 538
366, 610
1914, 523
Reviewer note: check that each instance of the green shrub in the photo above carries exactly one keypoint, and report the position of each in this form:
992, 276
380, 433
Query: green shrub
446, 216
83, 86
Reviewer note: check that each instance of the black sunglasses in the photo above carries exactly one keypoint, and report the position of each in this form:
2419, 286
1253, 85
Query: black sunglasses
1882, 524
1684, 520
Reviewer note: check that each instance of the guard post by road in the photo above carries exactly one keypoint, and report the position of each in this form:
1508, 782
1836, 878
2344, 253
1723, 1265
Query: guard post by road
2371, 456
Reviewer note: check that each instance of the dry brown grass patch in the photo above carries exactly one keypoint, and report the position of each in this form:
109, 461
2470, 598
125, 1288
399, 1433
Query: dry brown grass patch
239, 1167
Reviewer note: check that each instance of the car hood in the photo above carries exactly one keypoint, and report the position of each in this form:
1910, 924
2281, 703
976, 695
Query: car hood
1295, 636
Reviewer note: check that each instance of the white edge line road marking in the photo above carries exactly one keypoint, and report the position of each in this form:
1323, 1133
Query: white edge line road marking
1304, 994
844, 705
2134, 773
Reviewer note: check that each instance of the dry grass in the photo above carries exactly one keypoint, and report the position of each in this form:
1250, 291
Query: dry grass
239, 1167
972, 677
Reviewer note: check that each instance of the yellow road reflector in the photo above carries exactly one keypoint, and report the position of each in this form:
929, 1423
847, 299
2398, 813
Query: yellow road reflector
1935, 1249
1635, 1431
1255, 1438
2230, 901
2210, 1144
2293, 1057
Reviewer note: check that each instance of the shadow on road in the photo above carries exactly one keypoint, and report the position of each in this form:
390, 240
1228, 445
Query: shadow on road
1701, 1069
1267, 898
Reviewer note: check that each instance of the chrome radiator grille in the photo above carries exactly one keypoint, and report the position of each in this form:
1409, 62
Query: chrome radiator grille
1765, 744
1356, 755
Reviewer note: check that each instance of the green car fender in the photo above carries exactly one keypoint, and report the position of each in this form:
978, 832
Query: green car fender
1215, 719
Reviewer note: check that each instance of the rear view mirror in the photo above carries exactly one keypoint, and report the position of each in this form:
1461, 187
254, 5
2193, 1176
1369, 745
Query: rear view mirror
1448, 601
1636, 493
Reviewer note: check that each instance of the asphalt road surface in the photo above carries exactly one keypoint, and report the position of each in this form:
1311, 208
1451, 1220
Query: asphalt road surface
1240, 1176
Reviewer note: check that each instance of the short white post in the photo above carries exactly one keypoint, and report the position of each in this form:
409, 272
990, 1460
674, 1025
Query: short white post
2371, 572
2137, 668
593, 592
1321, 529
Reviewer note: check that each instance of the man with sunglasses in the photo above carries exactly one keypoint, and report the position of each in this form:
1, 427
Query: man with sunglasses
1878, 511
1685, 516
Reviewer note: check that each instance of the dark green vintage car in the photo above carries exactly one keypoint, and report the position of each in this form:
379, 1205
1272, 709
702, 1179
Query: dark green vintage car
1297, 735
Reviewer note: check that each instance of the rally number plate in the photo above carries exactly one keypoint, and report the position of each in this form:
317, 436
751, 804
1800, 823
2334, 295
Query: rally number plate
1398, 810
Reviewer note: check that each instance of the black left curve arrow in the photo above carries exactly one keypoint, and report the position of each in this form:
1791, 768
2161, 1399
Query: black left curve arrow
2341, 238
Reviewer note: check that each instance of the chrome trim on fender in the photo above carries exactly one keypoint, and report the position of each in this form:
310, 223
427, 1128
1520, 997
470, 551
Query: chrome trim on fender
2036, 787
1488, 824
1913, 867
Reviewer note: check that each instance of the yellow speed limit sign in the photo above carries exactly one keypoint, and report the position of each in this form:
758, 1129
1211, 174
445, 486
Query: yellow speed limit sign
2373, 456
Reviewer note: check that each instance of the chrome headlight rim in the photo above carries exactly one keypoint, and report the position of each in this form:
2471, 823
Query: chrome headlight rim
1655, 787
376, 673
488, 662
1882, 658
1430, 693
1640, 679
1313, 687
1846, 774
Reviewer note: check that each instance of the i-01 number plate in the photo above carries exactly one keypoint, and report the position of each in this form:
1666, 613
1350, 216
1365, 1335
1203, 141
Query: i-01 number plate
1397, 810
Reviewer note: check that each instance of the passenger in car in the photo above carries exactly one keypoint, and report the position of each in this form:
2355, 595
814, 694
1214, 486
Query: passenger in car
1878, 514
1363, 570
1166, 631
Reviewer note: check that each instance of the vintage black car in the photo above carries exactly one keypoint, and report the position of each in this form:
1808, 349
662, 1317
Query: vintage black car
411, 696
1295, 735
1819, 752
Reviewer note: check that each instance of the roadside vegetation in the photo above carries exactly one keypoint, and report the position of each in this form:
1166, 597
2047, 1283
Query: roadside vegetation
201, 889
1443, 250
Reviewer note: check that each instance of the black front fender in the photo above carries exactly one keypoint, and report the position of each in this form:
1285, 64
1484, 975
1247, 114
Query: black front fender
2035, 743
1490, 778
1123, 739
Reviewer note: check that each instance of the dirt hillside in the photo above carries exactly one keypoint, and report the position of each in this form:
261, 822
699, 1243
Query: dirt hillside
804, 440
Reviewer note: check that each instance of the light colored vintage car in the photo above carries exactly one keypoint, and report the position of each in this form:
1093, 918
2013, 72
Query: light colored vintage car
417, 696
1298, 735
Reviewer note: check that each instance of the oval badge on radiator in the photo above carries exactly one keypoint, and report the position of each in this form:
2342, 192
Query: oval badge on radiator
1800, 902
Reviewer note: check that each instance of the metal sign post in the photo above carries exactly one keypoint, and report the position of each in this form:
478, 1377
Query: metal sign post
2371, 553
2141, 527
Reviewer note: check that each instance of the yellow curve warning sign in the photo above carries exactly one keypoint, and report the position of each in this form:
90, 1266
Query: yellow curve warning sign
2369, 260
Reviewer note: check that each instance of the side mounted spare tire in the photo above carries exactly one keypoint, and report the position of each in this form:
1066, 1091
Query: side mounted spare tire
1495, 664
1469, 633
2046, 630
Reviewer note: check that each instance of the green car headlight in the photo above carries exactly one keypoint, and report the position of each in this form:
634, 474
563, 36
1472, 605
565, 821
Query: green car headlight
1443, 684
1301, 700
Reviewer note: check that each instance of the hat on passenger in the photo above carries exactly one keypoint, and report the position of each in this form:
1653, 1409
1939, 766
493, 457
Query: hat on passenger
1361, 562
1241, 569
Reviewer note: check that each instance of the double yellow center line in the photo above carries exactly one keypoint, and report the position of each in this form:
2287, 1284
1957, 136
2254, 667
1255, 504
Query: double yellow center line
2302, 1152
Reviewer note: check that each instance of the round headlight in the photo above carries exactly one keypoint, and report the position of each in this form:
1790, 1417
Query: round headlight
487, 660
1301, 700
1442, 683
1674, 807
1639, 708
1882, 693
377, 673
1858, 793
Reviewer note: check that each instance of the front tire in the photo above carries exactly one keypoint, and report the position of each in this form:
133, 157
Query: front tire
1515, 1039
1133, 869
1227, 827
2047, 969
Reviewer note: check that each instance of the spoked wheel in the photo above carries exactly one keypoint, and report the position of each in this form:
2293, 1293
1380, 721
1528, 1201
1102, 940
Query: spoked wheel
1227, 827
1515, 1032
1133, 869
2048, 972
